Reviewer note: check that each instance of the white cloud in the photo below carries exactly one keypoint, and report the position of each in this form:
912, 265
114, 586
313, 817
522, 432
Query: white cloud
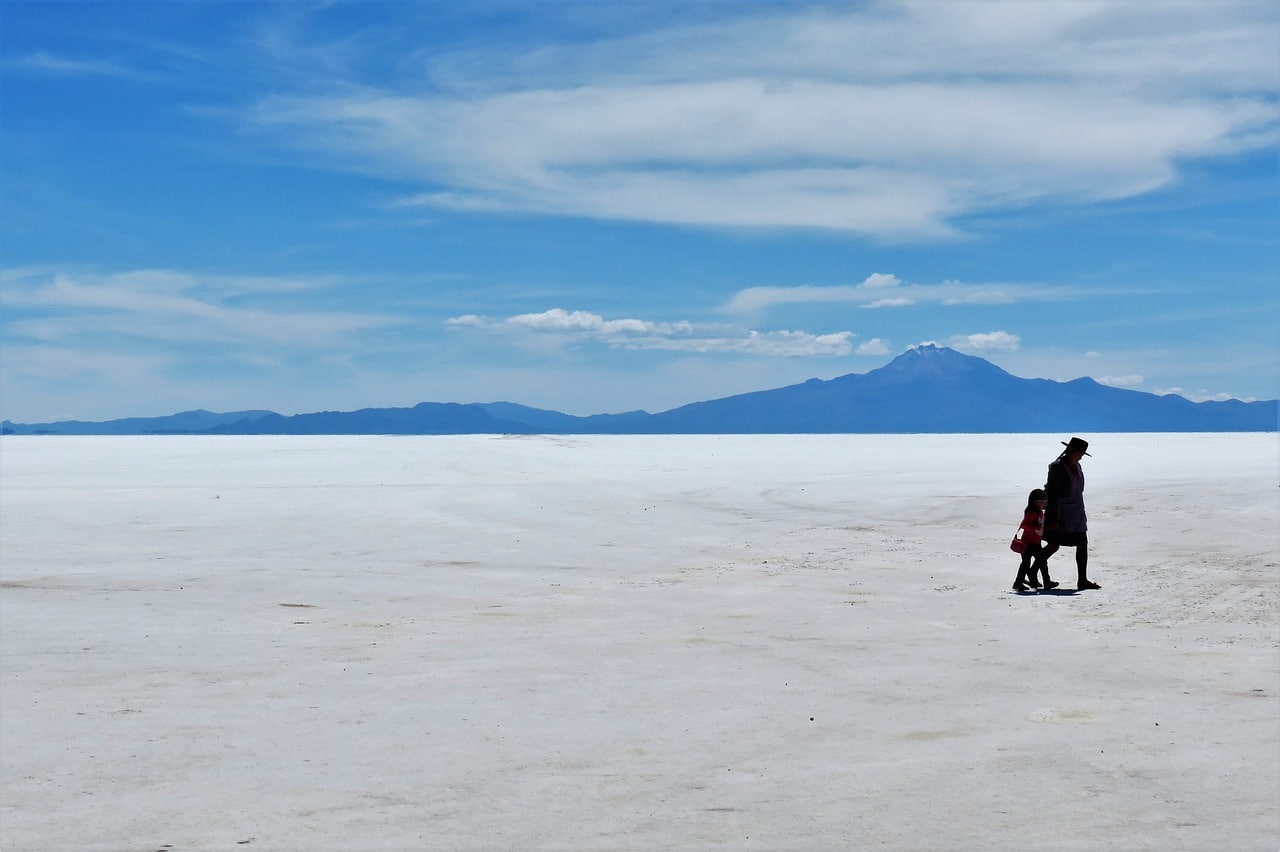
568, 327
890, 119
879, 279
993, 341
1202, 395
46, 63
166, 305
755, 299
874, 292
1122, 381
185, 340
874, 346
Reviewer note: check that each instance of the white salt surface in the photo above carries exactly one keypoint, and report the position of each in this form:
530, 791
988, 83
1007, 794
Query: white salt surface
632, 642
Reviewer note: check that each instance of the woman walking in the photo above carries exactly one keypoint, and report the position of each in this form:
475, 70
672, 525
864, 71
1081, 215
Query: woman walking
1065, 522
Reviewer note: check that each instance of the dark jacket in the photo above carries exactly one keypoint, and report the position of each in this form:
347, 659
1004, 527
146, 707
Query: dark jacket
1065, 490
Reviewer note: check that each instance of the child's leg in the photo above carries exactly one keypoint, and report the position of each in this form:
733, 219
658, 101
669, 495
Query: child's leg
1024, 571
1042, 560
1032, 556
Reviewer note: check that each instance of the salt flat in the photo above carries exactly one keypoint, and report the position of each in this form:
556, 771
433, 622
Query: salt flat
767, 642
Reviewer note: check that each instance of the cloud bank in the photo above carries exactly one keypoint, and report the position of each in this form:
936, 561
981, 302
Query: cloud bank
576, 327
881, 290
891, 119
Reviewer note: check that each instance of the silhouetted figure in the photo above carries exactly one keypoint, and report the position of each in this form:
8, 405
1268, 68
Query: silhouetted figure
1065, 522
1032, 528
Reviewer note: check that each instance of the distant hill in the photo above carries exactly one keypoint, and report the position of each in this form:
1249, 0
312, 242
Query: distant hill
184, 423
927, 389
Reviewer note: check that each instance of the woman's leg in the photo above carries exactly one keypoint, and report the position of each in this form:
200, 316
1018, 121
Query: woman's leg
1082, 568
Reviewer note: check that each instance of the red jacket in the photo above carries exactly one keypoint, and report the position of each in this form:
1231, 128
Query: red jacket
1032, 526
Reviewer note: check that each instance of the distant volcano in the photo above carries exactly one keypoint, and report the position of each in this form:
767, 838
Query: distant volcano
939, 390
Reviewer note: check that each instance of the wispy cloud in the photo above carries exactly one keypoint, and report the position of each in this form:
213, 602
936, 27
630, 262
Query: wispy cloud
1129, 381
166, 305
574, 327
892, 119
64, 365
42, 62
881, 290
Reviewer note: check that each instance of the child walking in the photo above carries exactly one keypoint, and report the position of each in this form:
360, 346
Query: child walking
1032, 529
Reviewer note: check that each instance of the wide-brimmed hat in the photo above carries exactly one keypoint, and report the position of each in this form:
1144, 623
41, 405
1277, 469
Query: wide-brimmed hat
1078, 444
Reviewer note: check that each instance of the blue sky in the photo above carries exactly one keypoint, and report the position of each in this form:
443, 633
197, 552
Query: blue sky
608, 206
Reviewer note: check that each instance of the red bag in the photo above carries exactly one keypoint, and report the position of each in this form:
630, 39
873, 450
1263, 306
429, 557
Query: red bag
1018, 545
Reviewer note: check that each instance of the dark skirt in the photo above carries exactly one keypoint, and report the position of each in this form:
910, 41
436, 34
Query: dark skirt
1066, 539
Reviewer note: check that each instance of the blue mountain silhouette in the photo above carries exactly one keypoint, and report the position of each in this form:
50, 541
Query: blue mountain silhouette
183, 423
927, 389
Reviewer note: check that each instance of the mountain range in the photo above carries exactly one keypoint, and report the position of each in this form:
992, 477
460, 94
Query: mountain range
927, 389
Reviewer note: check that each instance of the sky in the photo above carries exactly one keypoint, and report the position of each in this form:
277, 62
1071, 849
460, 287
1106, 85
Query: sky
601, 207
